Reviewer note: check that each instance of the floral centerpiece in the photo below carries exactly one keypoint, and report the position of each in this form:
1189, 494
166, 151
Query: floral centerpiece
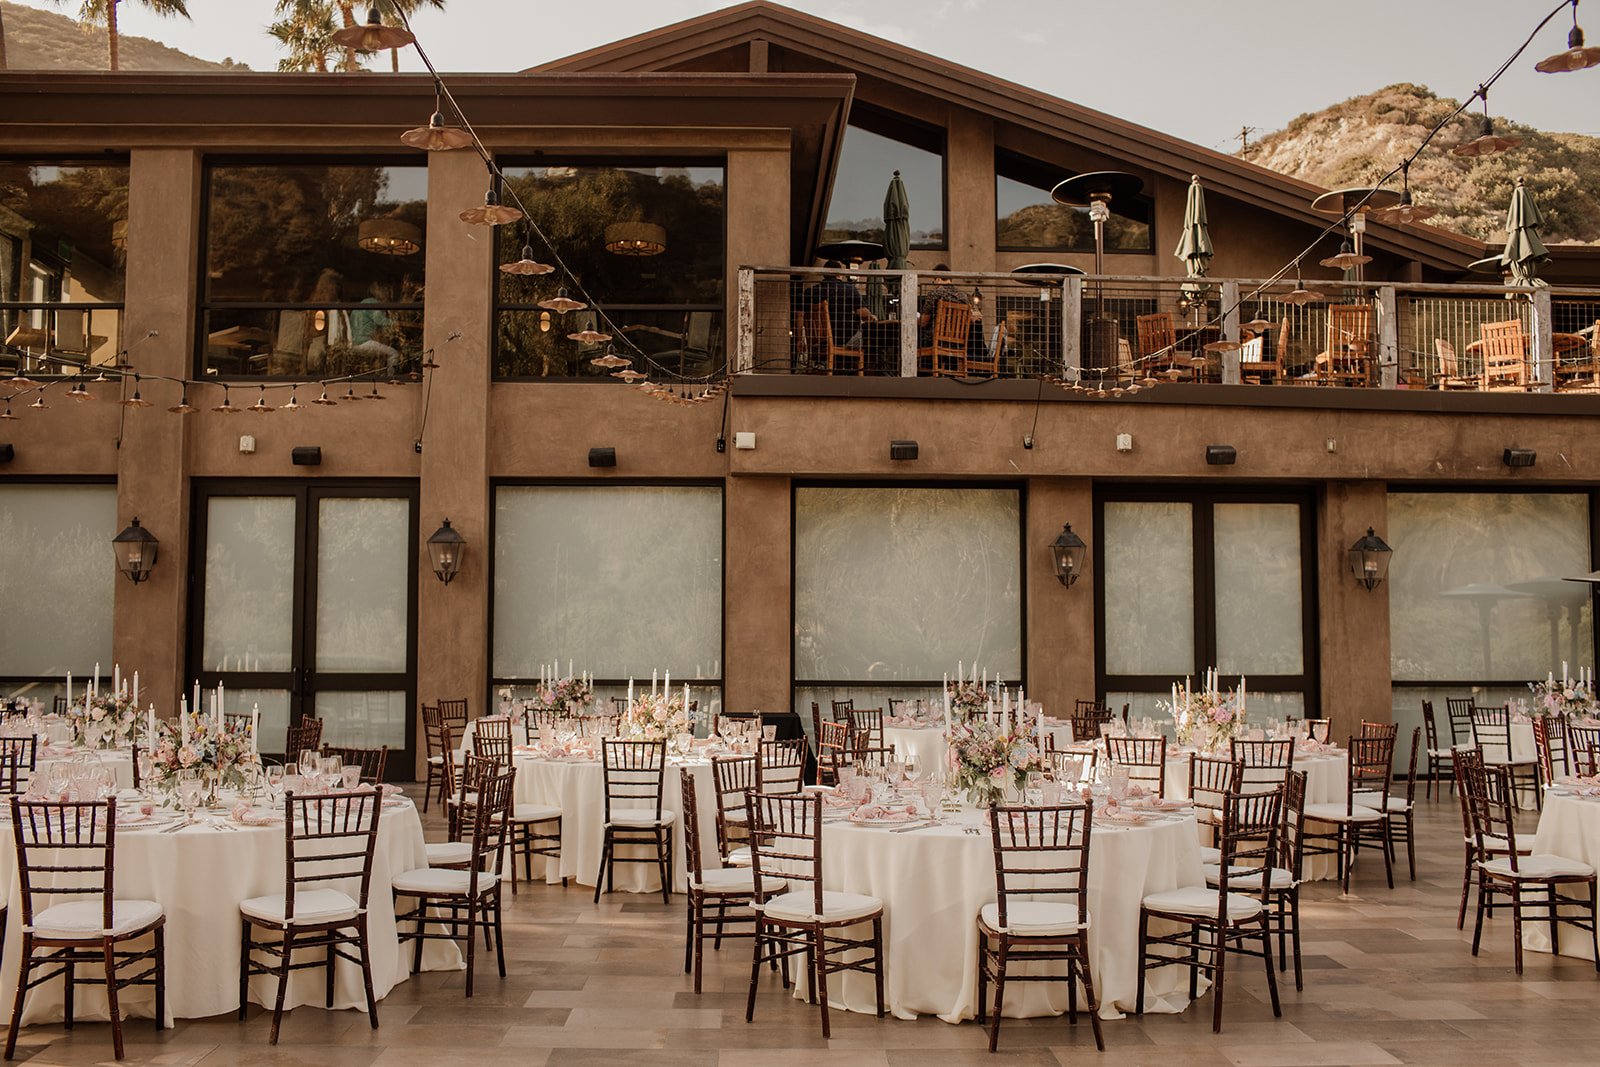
1208, 718
652, 717
563, 696
113, 714
988, 757
203, 745
966, 698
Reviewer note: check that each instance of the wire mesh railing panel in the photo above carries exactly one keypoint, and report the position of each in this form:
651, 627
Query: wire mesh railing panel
1442, 336
1575, 336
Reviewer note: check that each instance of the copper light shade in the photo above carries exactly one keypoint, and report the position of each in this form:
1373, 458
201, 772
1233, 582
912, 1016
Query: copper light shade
610, 361
636, 239
1345, 258
562, 302
136, 401
492, 213
1576, 57
1405, 211
293, 404
39, 403
436, 136
183, 407
21, 381
261, 407
78, 392
389, 237
6, 414
1224, 346
589, 337
527, 265
325, 400
226, 407
629, 375
1487, 143
372, 35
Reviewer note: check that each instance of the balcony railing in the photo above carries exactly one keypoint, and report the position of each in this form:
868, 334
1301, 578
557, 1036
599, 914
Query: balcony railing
1110, 330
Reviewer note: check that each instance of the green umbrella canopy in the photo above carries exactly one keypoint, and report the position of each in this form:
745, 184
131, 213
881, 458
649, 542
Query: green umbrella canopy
1194, 242
897, 224
1524, 250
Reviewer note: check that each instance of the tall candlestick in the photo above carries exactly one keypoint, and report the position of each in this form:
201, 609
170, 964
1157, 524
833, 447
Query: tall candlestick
116, 680
69, 689
255, 728
94, 687
653, 678
135, 688
630, 691
150, 728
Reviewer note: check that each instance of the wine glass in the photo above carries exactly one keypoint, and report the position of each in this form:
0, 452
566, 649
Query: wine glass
275, 774
92, 734
332, 768
189, 792
911, 767
350, 776
147, 768
932, 790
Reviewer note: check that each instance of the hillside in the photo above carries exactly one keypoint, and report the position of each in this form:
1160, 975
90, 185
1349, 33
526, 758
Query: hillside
1359, 140
45, 40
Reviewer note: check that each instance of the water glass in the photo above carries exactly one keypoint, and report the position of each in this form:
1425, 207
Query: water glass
351, 776
308, 760
912, 767
1118, 781
275, 775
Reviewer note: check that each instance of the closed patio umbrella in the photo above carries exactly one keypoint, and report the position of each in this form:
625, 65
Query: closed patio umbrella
1524, 250
1194, 241
897, 224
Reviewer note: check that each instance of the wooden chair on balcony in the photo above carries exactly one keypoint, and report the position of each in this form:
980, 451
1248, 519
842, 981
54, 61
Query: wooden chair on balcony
1347, 359
1449, 374
946, 355
813, 329
1581, 372
1158, 344
988, 364
1505, 355
1254, 366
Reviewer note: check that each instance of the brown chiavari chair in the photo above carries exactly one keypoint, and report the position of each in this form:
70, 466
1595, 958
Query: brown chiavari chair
1144, 757
1438, 754
535, 831
1251, 823
455, 713
1532, 883
1074, 768
1468, 762
69, 850
867, 724
433, 734
1267, 764
59, 705
1340, 829
833, 750
1391, 730
1210, 781
491, 739
1582, 741
781, 766
328, 840
1491, 732
1283, 884
1550, 743
453, 851
1087, 718
842, 708
1460, 711
732, 777
302, 735
1041, 909
462, 900
619, 706
13, 784
21, 755
372, 761
726, 893
1400, 809
236, 723
786, 843
634, 775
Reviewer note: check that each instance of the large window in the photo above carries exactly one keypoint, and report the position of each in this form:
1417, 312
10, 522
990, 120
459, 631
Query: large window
894, 586
1191, 581
57, 579
1028, 220
618, 580
876, 144
63, 235
313, 270
644, 240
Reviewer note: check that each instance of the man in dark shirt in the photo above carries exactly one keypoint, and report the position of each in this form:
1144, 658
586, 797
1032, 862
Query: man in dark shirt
847, 308
928, 301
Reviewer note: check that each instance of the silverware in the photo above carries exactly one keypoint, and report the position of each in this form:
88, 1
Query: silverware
175, 827
913, 826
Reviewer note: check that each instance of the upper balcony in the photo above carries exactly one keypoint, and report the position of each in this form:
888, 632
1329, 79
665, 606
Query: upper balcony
1122, 334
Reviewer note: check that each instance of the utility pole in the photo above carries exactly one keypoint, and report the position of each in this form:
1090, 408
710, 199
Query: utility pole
1244, 138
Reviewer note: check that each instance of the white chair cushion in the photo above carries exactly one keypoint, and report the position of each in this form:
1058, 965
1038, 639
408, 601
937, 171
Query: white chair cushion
1279, 879
740, 857
836, 907
642, 817
1509, 762
1033, 918
1396, 805
436, 760
736, 815
436, 882
1193, 900
310, 906
535, 813
83, 918
1493, 843
448, 853
1539, 865
472, 798
1337, 813
734, 880
1211, 857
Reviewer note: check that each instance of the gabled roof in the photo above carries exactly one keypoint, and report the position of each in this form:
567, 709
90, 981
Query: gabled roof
685, 42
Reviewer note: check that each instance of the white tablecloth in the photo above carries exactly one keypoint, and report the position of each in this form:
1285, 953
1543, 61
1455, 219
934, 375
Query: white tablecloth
578, 788
932, 883
119, 760
1568, 827
199, 876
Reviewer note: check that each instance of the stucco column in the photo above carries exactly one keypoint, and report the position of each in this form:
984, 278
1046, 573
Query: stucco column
453, 620
151, 618
757, 593
969, 190
1060, 620
1354, 623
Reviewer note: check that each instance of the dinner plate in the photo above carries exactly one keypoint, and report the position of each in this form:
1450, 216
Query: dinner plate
892, 821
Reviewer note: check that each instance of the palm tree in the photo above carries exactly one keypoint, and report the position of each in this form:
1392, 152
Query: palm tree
389, 8
104, 13
306, 26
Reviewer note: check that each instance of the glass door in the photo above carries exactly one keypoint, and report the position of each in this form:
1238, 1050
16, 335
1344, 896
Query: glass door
305, 604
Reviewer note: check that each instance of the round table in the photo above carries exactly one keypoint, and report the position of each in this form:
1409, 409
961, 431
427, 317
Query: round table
199, 875
578, 788
1569, 827
932, 883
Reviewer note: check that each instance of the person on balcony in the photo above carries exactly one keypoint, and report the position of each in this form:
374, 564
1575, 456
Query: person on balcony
847, 308
928, 301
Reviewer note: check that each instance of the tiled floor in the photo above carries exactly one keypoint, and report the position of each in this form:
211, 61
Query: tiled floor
1389, 980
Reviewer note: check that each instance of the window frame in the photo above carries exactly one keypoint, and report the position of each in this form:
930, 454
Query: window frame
905, 130
1026, 162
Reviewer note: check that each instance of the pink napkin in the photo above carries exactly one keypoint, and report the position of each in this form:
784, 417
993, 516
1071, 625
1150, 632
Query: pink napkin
244, 815
883, 812
1111, 811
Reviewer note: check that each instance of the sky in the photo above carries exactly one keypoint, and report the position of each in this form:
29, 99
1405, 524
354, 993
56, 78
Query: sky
1196, 69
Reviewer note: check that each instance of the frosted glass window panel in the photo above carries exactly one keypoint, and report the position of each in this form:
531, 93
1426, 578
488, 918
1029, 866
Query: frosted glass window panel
249, 584
363, 583
57, 578
1258, 589
902, 584
1475, 590
864, 696
1148, 564
274, 707
621, 580
362, 719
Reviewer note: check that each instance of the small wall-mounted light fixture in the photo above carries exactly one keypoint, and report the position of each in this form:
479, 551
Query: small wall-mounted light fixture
602, 457
1067, 552
1124, 442
1221, 455
902, 450
136, 549
7, 453
1519, 457
446, 546
1369, 560
744, 440
306, 455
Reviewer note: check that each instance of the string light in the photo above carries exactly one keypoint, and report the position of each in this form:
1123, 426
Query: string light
561, 302
1576, 57
261, 407
226, 407
79, 392
325, 400
136, 401
183, 407
7, 413
294, 401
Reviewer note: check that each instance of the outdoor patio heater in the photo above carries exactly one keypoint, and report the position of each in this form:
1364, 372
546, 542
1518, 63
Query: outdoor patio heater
1097, 191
